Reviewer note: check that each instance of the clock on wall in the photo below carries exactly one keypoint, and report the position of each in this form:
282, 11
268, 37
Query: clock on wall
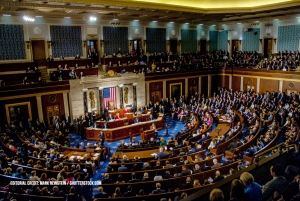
52, 99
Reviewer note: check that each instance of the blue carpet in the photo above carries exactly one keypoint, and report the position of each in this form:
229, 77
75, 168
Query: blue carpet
174, 127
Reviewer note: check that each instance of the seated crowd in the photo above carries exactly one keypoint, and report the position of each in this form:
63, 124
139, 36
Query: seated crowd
281, 116
283, 60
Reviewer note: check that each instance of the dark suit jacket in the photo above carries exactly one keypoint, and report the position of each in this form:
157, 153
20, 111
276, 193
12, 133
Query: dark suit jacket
186, 186
122, 169
219, 178
157, 191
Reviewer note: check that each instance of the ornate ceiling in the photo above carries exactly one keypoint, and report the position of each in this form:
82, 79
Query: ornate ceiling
206, 12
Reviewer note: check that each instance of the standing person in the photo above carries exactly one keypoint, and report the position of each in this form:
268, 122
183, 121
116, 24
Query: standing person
102, 138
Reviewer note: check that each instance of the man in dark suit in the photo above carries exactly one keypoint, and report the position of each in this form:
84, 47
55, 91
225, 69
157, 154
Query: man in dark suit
123, 168
188, 184
102, 138
105, 113
133, 178
185, 171
57, 192
110, 117
158, 190
77, 57
161, 154
107, 180
218, 177
136, 120
129, 192
105, 126
232, 145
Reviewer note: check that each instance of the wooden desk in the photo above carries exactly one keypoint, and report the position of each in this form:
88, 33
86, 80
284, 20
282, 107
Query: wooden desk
221, 128
142, 154
82, 156
118, 133
123, 121
147, 135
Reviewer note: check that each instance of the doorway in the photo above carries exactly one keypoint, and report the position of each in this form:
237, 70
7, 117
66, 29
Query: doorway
203, 46
92, 51
52, 110
235, 46
137, 46
155, 96
38, 50
268, 46
173, 46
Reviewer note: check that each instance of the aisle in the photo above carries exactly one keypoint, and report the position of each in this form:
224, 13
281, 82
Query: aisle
174, 128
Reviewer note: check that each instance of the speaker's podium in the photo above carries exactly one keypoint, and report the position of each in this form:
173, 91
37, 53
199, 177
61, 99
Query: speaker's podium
147, 134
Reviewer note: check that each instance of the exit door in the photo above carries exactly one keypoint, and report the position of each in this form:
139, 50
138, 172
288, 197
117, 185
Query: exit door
52, 110
173, 46
268, 46
38, 51
203, 46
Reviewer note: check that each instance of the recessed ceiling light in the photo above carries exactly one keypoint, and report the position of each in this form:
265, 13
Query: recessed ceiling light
171, 22
154, 21
6, 15
67, 17
38, 16
136, 20
186, 23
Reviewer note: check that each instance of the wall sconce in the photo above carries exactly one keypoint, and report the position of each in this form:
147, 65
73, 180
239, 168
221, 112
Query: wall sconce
228, 42
275, 39
84, 43
49, 43
260, 40
28, 44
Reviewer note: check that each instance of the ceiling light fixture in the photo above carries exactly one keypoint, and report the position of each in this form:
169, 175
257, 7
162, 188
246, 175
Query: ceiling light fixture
6, 15
93, 18
28, 19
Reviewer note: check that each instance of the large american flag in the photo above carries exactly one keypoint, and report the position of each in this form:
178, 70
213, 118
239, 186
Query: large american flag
109, 94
